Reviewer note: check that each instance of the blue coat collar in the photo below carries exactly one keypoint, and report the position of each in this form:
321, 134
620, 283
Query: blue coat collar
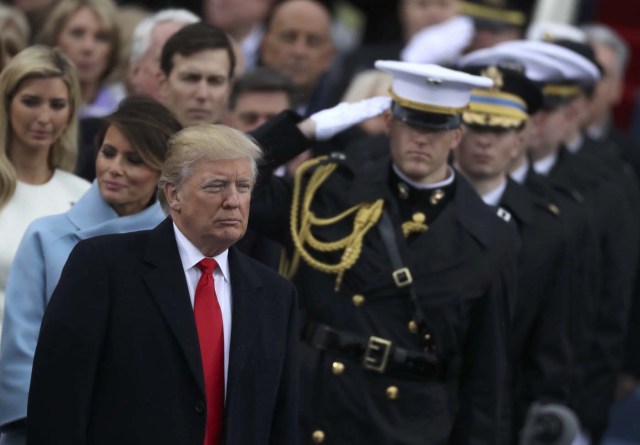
92, 216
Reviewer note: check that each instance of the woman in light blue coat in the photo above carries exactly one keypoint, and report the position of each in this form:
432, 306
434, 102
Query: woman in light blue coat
131, 152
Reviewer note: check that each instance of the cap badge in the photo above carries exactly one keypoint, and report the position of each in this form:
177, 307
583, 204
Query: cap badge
432, 81
494, 74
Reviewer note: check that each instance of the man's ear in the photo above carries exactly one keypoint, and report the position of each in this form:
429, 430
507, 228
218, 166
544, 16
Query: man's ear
388, 119
163, 81
457, 136
172, 196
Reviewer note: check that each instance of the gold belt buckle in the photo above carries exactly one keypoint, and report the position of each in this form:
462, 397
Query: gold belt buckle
402, 277
376, 356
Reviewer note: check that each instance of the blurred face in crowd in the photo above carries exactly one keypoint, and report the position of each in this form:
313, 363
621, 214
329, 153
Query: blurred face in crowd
212, 206
419, 153
126, 183
144, 76
608, 92
85, 40
298, 43
198, 86
487, 153
254, 108
547, 131
418, 14
40, 111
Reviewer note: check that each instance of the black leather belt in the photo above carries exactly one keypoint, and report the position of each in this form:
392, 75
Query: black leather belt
374, 353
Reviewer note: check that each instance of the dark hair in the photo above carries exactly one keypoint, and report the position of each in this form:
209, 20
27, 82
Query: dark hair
147, 124
262, 80
195, 38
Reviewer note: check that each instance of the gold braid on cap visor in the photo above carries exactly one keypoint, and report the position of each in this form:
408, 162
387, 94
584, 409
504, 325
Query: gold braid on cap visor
425, 107
561, 90
495, 109
515, 18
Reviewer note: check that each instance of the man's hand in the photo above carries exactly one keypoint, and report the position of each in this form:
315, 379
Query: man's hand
327, 123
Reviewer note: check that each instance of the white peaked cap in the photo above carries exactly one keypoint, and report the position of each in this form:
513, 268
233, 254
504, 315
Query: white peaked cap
431, 87
550, 31
537, 67
573, 65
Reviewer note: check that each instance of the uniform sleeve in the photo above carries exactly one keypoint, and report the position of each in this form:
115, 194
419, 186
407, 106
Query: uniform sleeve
68, 351
483, 387
25, 303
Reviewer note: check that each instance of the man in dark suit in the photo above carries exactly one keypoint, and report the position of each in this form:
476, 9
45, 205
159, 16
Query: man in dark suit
122, 356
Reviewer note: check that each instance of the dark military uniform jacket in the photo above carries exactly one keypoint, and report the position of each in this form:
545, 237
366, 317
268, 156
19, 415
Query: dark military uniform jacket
609, 201
540, 338
463, 270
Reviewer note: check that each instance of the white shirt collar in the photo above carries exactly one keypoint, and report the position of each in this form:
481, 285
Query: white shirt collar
544, 165
520, 174
575, 145
190, 255
494, 196
451, 176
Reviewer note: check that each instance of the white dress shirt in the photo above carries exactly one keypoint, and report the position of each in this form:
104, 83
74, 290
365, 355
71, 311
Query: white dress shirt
493, 197
451, 176
545, 165
520, 174
190, 256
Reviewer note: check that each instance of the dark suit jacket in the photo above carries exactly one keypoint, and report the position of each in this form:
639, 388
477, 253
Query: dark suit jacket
118, 358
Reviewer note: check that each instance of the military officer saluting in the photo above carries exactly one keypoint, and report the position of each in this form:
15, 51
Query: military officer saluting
405, 276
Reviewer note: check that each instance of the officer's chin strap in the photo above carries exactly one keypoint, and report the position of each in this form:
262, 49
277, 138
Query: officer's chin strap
403, 279
551, 424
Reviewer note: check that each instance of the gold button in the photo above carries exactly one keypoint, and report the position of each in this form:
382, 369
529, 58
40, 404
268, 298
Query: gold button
427, 337
392, 392
358, 300
413, 327
337, 368
419, 217
318, 436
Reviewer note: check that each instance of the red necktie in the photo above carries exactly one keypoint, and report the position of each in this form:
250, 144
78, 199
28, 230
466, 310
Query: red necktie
209, 323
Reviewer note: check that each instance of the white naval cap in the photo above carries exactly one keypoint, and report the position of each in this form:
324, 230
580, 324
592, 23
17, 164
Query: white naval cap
573, 65
535, 66
430, 96
550, 31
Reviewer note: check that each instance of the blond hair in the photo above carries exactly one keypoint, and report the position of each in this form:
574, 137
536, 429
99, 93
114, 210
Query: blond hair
106, 12
37, 62
204, 142
366, 84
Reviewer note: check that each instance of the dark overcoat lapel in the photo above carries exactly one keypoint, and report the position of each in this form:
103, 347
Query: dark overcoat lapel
247, 291
168, 287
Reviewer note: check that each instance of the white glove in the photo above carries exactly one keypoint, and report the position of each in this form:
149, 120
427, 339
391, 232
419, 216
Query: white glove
332, 121
441, 43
